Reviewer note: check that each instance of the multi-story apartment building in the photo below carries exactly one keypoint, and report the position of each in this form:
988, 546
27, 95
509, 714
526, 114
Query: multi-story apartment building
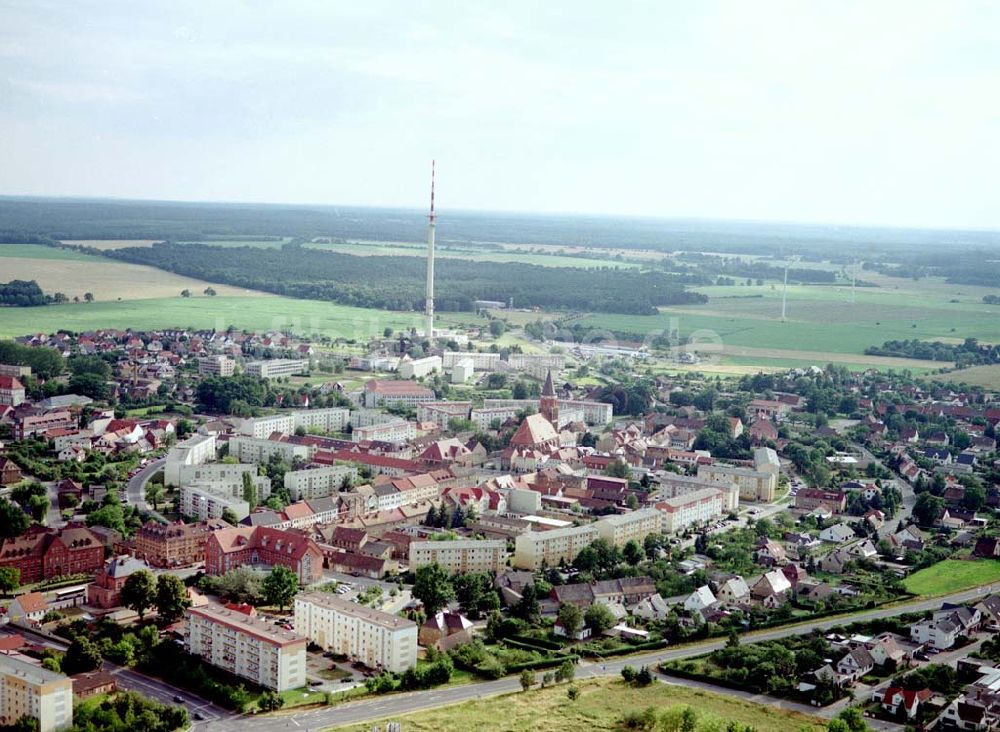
11, 391
533, 549
688, 509
30, 425
236, 640
754, 485
594, 413
254, 450
195, 450
203, 501
377, 639
673, 485
419, 367
277, 368
463, 555
225, 477
536, 361
12, 369
27, 690
621, 528
480, 361
486, 417
304, 485
263, 546
441, 413
380, 392
393, 430
216, 366
41, 553
331, 419
175, 545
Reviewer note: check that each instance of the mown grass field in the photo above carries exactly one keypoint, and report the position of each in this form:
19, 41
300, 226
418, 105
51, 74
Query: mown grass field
601, 705
987, 377
259, 312
952, 575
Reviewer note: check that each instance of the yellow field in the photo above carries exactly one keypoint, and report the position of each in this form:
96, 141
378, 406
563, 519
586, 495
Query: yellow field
987, 377
601, 706
107, 279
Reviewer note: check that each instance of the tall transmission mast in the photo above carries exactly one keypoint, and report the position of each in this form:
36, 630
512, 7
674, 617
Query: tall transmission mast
429, 310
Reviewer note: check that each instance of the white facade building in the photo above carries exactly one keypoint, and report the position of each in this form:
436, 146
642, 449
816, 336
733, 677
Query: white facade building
419, 367
376, 639
532, 549
205, 501
688, 509
27, 690
277, 368
253, 450
195, 450
619, 529
480, 361
304, 485
463, 555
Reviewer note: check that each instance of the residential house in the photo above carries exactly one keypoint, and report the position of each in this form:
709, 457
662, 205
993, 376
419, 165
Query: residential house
772, 589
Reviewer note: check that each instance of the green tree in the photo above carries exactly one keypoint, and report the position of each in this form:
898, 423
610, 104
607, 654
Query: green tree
171, 597
280, 586
599, 618
82, 655
527, 679
432, 586
229, 517
139, 591
633, 552
571, 619
270, 701
185, 292
210, 291
10, 579
573, 693
618, 469
39, 506
566, 671
154, 494
249, 490
497, 327
928, 508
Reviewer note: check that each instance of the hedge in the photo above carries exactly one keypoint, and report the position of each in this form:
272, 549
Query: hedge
544, 663
528, 646
625, 650
540, 642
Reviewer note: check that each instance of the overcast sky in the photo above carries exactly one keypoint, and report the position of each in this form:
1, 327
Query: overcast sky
843, 112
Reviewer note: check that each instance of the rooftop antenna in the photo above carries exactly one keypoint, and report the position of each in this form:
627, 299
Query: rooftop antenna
429, 310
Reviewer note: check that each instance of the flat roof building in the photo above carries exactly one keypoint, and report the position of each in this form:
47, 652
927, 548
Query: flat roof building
31, 691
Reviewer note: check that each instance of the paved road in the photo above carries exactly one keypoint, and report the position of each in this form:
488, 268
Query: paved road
400, 704
136, 490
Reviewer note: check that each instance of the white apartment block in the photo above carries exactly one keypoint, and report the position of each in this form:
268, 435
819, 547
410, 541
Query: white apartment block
419, 367
673, 485
216, 366
195, 450
304, 485
376, 639
464, 555
277, 368
526, 361
487, 416
688, 509
480, 361
253, 450
754, 485
207, 501
593, 413
27, 690
227, 476
368, 417
441, 413
330, 419
533, 549
462, 372
247, 646
621, 528
393, 430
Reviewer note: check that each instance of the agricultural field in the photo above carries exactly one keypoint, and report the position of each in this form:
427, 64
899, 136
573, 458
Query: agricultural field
109, 244
987, 377
823, 324
258, 312
952, 575
74, 273
601, 705
446, 251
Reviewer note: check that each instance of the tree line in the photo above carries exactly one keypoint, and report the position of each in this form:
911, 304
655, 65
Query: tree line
397, 283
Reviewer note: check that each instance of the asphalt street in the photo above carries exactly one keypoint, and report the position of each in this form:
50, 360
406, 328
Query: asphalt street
136, 489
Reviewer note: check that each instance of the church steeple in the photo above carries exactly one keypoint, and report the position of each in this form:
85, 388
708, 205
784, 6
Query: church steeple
548, 405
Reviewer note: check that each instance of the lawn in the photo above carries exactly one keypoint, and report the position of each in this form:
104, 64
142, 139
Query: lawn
952, 575
987, 377
602, 703
259, 313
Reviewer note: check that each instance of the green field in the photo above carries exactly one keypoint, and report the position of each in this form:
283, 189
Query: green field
987, 377
40, 251
601, 705
251, 313
952, 575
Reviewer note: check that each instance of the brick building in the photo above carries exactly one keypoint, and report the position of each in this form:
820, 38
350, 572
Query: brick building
258, 546
41, 553
175, 545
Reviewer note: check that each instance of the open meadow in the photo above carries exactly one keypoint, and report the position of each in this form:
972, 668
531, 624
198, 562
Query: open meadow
260, 313
73, 274
601, 705
952, 575
987, 377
